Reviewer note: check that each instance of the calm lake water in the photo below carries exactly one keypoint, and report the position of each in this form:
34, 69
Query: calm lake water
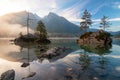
81, 63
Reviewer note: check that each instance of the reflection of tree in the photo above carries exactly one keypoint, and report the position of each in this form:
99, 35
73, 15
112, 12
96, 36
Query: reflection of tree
102, 62
27, 63
97, 49
84, 61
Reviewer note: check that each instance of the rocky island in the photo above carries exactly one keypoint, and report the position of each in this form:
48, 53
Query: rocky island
39, 36
99, 37
30, 38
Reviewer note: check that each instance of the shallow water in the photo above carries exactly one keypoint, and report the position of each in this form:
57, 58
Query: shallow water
79, 64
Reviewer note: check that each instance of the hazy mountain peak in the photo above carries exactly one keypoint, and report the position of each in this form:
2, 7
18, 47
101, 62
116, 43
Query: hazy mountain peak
57, 24
52, 14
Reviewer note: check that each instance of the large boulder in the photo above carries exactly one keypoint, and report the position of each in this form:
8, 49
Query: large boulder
8, 75
99, 37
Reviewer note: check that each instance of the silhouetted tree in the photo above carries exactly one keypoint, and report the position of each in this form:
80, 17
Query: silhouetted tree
104, 23
41, 30
84, 25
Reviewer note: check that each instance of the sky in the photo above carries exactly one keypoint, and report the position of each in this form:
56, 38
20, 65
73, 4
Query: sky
70, 9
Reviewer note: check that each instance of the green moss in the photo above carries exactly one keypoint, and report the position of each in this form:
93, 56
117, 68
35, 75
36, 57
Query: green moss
87, 34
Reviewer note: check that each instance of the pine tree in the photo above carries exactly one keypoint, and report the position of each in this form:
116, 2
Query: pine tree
84, 25
41, 30
104, 23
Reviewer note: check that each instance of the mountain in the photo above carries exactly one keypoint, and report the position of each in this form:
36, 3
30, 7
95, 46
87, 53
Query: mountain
55, 25
58, 25
115, 33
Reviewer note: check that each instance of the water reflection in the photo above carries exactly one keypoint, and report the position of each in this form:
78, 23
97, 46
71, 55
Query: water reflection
97, 49
93, 67
93, 63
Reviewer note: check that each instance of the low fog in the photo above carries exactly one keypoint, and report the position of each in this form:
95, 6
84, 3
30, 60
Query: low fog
8, 29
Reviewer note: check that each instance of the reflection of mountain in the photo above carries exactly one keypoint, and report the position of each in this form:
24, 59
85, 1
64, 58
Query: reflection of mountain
19, 53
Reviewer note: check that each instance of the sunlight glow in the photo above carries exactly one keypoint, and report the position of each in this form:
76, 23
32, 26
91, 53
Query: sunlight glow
8, 6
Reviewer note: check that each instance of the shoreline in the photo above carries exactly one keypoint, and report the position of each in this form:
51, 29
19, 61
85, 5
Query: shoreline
48, 38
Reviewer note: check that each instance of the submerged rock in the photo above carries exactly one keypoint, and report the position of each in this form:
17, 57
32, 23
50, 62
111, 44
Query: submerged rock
30, 75
54, 53
8, 75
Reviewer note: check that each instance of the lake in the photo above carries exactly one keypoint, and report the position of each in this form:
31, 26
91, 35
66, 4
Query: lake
81, 63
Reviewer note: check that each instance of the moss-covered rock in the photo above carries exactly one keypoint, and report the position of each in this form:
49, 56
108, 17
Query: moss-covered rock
30, 38
99, 37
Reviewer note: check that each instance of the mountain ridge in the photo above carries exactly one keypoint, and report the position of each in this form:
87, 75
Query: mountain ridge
55, 25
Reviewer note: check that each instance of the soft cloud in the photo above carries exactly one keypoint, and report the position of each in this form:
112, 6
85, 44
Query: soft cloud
116, 5
7, 6
119, 6
73, 13
41, 7
112, 19
94, 11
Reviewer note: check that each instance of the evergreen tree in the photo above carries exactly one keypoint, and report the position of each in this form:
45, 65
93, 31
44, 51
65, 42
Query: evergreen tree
41, 30
84, 25
104, 23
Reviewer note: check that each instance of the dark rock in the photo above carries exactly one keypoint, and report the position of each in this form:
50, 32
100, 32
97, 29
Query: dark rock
25, 64
43, 41
25, 38
68, 77
8, 75
30, 75
30, 38
42, 50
